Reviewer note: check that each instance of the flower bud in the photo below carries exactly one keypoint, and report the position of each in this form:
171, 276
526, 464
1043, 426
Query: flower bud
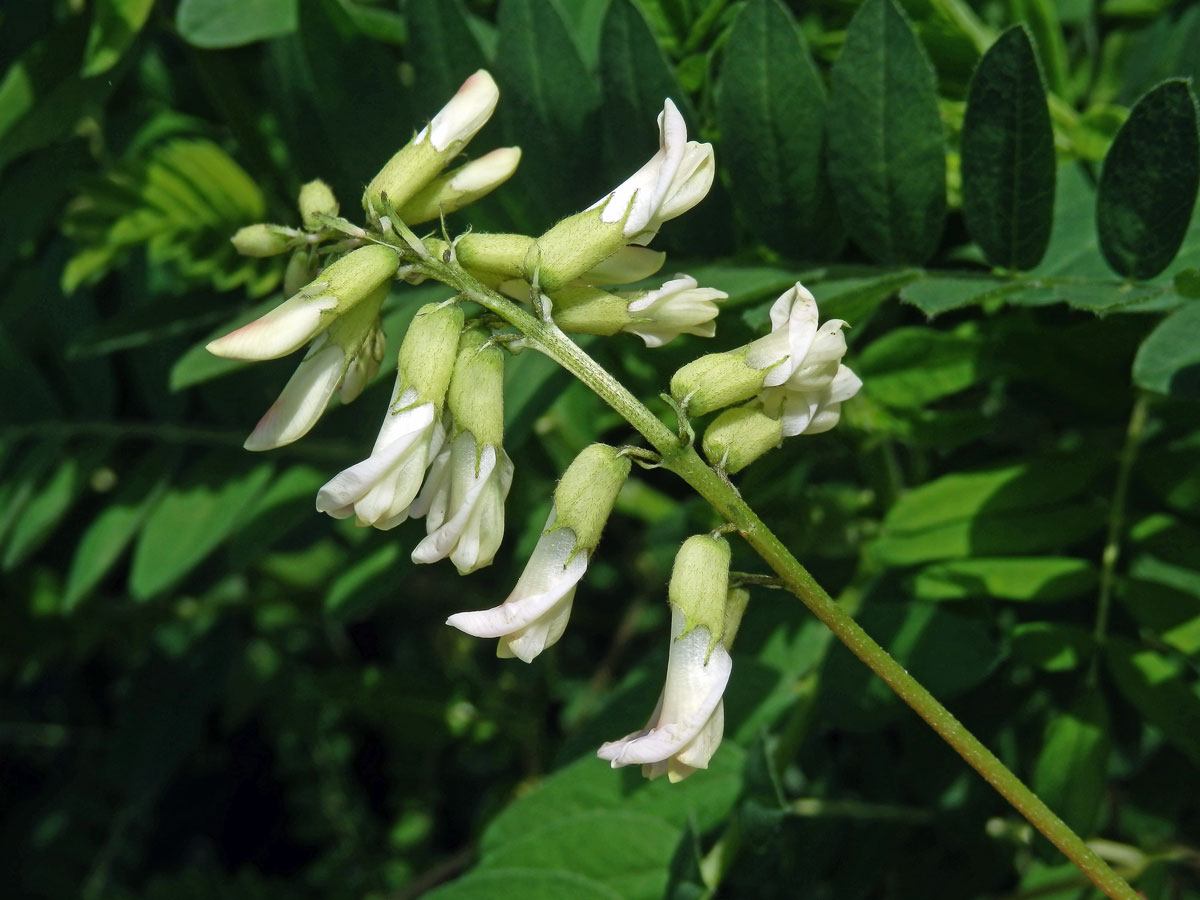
419, 161
429, 350
500, 256
316, 200
572, 247
678, 307
463, 186
735, 606
263, 240
299, 272
585, 495
716, 380
589, 310
700, 583
476, 395
298, 320
737, 437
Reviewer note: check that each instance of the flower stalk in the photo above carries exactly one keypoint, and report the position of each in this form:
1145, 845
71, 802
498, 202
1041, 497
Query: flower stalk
682, 459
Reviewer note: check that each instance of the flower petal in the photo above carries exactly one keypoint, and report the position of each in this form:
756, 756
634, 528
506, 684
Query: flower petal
302, 401
283, 330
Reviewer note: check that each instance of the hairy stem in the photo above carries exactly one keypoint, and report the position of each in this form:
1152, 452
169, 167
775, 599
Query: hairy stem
682, 459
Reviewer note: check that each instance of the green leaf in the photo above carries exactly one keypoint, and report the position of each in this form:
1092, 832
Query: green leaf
1071, 771
886, 148
628, 852
771, 114
214, 24
1148, 185
1050, 646
528, 884
115, 23
1168, 361
194, 518
442, 48
1003, 511
911, 367
111, 532
1041, 579
1169, 611
589, 784
1008, 155
947, 653
47, 505
1162, 690
549, 109
937, 295
636, 77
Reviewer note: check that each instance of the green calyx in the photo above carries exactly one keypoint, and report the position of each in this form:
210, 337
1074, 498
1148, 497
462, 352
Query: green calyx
715, 381
494, 254
737, 437
700, 584
263, 240
476, 395
429, 350
585, 495
572, 247
589, 310
406, 173
358, 274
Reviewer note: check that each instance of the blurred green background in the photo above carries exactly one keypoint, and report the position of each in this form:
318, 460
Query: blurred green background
211, 691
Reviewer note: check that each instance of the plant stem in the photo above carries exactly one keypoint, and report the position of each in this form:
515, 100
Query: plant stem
682, 459
1116, 524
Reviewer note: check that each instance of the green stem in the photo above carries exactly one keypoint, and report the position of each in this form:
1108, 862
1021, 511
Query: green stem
1116, 524
683, 460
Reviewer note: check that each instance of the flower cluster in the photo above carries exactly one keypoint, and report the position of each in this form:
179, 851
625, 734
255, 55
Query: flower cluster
439, 453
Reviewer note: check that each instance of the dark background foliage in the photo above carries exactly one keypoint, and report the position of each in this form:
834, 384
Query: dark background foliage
210, 691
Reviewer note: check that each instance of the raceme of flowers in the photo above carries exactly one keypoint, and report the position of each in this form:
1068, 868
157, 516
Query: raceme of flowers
439, 454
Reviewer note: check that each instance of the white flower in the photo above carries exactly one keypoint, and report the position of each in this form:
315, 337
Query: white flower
380, 489
468, 110
674, 180
535, 614
678, 307
463, 502
686, 726
330, 366
814, 408
627, 265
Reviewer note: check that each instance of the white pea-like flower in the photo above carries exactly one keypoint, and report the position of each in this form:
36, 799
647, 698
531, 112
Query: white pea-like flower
687, 725
671, 182
379, 490
463, 504
678, 307
534, 616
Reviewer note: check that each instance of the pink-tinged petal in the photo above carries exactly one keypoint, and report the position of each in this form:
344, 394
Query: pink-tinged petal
283, 330
302, 401
468, 110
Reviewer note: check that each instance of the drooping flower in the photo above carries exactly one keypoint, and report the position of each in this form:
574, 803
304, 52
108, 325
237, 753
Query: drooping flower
339, 313
380, 489
687, 725
463, 498
341, 360
535, 614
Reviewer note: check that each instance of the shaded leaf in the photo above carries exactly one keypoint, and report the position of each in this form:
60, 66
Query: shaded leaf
1162, 690
214, 24
910, 367
886, 148
115, 23
771, 114
1040, 579
1072, 769
1148, 185
1008, 155
1168, 361
1051, 646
